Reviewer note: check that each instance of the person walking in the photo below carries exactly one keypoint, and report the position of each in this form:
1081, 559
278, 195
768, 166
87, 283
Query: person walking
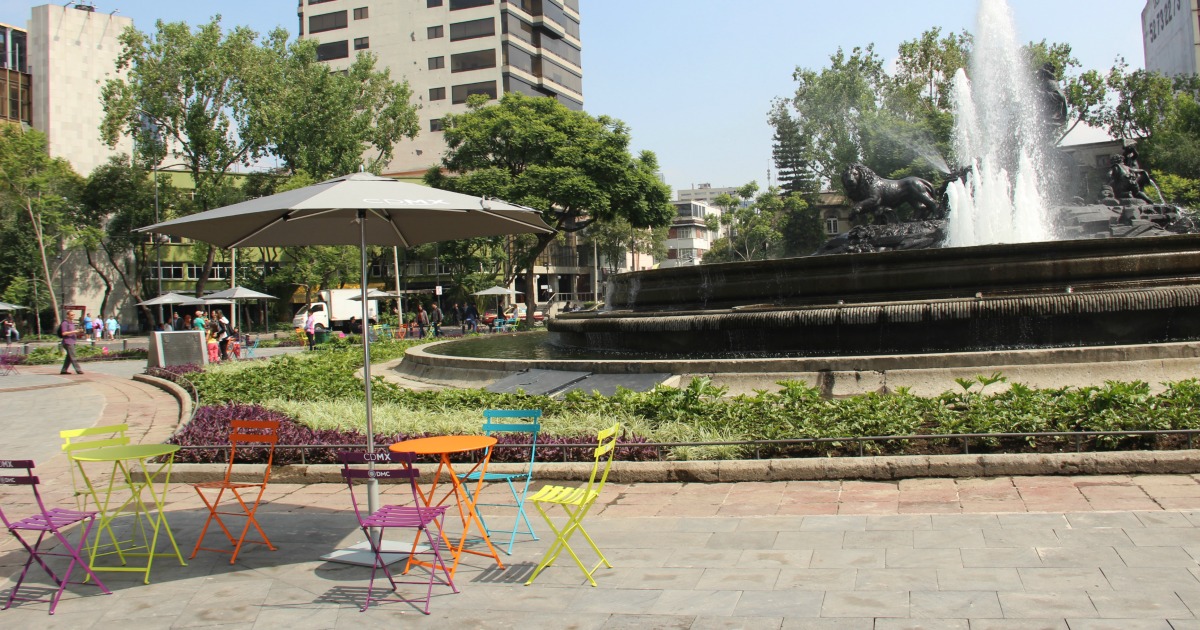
223, 329
435, 320
9, 329
111, 327
310, 329
422, 321
87, 324
472, 317
68, 332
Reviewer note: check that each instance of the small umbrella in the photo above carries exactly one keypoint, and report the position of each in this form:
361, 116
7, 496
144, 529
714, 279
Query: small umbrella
358, 209
168, 299
497, 291
241, 293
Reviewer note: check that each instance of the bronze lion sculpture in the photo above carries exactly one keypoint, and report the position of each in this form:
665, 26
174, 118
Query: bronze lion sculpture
882, 196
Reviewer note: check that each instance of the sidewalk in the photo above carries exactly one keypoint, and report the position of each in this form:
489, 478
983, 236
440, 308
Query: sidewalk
1002, 552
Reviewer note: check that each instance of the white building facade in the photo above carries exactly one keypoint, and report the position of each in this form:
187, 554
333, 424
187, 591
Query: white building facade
689, 236
72, 52
448, 50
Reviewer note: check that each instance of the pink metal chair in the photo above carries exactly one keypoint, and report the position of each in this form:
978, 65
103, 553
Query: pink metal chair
46, 522
416, 516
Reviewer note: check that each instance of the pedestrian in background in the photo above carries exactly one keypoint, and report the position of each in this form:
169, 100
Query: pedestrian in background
67, 332
435, 320
422, 321
310, 329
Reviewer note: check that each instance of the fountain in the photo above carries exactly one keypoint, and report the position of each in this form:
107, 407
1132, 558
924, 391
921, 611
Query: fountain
1013, 276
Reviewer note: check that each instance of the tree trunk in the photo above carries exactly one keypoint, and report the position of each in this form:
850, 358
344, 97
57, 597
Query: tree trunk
37, 230
107, 282
206, 271
134, 289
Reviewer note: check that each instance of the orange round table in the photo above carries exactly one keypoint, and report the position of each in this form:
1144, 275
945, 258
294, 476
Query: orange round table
444, 446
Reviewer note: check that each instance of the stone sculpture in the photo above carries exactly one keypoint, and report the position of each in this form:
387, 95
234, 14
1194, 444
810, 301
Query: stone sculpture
883, 196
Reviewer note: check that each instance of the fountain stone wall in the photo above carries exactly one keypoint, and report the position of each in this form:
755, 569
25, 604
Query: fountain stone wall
1081, 293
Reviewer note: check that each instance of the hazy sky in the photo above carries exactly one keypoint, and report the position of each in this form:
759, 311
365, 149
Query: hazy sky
694, 79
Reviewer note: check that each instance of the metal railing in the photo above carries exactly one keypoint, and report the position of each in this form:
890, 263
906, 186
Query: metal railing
1076, 440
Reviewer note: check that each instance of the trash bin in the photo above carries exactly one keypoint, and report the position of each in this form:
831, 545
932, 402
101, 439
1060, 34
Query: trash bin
321, 336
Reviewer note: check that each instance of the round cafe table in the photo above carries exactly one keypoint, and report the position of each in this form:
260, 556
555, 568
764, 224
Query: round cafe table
444, 446
148, 517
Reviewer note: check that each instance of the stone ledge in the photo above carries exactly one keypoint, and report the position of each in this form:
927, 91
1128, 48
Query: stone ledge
812, 469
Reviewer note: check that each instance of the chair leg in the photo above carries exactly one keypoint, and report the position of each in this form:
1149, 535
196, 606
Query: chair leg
562, 541
212, 515
251, 519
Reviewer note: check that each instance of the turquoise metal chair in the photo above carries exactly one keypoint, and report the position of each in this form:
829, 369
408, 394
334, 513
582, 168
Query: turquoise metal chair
527, 421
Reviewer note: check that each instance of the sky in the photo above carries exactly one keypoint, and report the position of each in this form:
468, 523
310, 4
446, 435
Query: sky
694, 79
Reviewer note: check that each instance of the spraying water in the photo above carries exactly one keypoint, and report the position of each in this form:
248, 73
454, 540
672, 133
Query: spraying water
1000, 139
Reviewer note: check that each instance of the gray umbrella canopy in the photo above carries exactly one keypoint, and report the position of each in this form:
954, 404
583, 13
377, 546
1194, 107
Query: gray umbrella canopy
240, 293
359, 209
397, 213
168, 299
375, 294
5, 306
497, 290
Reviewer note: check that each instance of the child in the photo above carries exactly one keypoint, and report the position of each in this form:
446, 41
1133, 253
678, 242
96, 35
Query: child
214, 351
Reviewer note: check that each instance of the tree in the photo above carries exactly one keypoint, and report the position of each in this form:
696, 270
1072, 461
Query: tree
803, 228
347, 113
753, 229
789, 149
204, 95
575, 169
40, 190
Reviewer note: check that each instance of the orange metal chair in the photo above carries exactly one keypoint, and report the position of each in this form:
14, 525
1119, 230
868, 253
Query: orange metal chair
242, 432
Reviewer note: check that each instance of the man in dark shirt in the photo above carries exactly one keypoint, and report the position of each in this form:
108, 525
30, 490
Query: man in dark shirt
68, 332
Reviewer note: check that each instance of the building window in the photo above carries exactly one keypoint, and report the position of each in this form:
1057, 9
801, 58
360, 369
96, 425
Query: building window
312, 2
456, 5
327, 22
434, 32
380, 270
220, 271
831, 226
472, 28
437, 63
436, 124
459, 93
437, 94
430, 4
362, 42
477, 60
170, 271
333, 50
362, 13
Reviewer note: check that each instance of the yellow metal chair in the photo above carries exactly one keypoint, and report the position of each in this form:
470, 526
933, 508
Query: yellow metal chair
78, 440
576, 502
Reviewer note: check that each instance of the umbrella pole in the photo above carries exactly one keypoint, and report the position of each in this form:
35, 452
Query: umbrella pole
372, 483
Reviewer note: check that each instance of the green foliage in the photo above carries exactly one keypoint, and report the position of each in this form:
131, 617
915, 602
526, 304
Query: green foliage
319, 389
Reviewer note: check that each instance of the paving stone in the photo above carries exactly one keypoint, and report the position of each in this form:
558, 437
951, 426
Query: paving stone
786, 604
1134, 578
991, 579
736, 623
1047, 605
696, 602
900, 522
1076, 557
810, 540
1000, 557
630, 622
964, 521
1155, 557
1164, 519
1020, 537
1054, 580
865, 604
847, 559
1093, 537
780, 559
921, 624
1123, 624
738, 579
877, 539
948, 539
797, 623
1139, 604
741, 540
1104, 519
816, 579
1019, 624
896, 580
932, 558
1164, 537
834, 523
954, 604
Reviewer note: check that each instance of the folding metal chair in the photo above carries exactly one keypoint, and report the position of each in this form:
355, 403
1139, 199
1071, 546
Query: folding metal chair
251, 349
251, 433
46, 522
576, 502
416, 516
494, 422
8, 363
76, 440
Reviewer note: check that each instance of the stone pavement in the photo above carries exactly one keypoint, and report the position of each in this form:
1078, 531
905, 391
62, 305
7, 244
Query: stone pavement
1005, 552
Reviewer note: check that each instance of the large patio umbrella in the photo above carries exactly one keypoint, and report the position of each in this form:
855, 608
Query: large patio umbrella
238, 294
358, 209
5, 306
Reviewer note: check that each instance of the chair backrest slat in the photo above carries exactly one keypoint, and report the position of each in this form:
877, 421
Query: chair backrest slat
15, 463
531, 427
606, 445
384, 467
23, 480
266, 433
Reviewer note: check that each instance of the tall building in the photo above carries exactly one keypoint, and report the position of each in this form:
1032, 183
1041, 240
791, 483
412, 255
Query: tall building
72, 52
1171, 36
15, 80
689, 238
448, 50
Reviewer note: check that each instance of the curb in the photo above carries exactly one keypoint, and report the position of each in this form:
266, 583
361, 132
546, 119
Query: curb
881, 468
181, 396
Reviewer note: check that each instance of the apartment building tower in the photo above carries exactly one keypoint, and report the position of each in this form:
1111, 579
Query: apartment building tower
448, 50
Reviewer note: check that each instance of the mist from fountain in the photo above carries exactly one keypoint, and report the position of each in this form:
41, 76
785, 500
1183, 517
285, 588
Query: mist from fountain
999, 137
